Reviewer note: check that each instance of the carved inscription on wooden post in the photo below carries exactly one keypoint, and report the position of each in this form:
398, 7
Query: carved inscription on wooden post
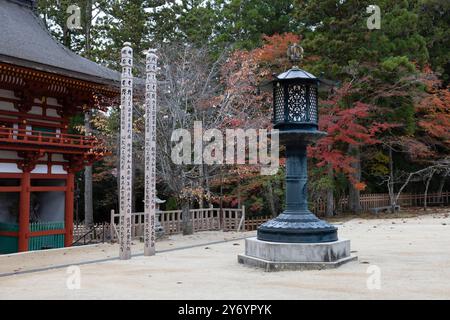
150, 154
126, 150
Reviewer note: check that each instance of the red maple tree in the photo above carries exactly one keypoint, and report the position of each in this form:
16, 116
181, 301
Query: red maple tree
345, 125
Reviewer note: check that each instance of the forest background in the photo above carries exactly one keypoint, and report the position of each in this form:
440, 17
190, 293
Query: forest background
384, 102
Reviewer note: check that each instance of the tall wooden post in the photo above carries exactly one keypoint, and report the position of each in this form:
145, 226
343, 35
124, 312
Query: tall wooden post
150, 154
68, 212
126, 148
24, 211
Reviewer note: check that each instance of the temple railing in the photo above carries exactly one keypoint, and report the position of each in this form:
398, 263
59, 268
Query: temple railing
24, 136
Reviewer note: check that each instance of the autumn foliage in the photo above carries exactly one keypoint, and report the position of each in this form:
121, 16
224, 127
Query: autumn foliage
345, 125
433, 111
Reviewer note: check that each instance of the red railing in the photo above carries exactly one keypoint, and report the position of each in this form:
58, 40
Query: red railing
12, 135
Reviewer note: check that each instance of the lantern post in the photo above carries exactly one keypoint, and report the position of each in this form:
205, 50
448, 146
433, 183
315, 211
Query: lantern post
296, 239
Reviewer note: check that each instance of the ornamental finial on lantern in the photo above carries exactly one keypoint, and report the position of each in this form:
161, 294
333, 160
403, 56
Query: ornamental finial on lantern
295, 53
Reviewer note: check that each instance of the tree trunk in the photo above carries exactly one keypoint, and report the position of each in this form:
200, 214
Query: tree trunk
187, 226
66, 36
88, 197
87, 34
425, 202
441, 187
329, 212
202, 184
354, 194
221, 199
207, 187
271, 199
239, 192
391, 182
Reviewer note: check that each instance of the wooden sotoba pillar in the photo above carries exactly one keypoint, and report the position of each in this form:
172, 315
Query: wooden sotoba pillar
68, 212
126, 152
24, 212
150, 154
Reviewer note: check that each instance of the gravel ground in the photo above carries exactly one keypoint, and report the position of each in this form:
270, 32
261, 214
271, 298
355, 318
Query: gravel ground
411, 253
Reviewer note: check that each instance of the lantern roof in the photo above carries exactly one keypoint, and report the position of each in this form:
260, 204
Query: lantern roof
26, 42
296, 73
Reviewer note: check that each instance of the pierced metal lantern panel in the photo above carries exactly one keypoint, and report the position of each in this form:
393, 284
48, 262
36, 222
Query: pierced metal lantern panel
278, 103
313, 106
297, 109
295, 104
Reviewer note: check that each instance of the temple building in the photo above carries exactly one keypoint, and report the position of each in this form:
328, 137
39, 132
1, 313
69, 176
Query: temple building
42, 86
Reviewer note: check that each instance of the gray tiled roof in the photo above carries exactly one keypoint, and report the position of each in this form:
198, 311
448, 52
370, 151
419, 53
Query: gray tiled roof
25, 41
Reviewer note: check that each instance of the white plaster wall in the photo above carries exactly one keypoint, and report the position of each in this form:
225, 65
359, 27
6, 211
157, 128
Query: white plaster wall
57, 169
7, 94
52, 113
36, 110
9, 168
8, 155
7, 106
58, 157
40, 168
53, 101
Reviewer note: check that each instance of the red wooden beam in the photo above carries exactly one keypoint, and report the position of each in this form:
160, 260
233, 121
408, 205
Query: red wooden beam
45, 233
68, 214
9, 234
38, 104
48, 176
52, 163
33, 147
27, 116
24, 212
33, 123
10, 189
48, 189
10, 175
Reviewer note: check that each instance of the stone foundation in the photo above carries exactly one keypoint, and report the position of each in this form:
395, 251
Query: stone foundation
277, 256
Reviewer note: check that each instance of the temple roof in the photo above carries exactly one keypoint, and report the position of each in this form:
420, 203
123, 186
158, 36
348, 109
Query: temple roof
25, 41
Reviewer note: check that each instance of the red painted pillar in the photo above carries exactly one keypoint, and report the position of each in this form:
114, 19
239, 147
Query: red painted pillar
24, 212
68, 216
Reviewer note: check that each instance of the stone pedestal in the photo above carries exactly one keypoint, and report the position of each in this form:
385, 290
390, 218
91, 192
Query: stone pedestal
277, 256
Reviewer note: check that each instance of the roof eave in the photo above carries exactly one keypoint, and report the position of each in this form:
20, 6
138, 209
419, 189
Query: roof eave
59, 71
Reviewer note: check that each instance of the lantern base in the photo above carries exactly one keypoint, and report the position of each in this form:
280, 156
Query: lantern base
297, 227
276, 256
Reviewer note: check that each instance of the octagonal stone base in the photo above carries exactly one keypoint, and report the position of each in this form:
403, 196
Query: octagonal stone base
278, 256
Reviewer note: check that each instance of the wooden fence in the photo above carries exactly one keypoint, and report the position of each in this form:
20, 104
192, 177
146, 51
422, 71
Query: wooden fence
252, 223
375, 200
99, 232
367, 201
232, 219
207, 219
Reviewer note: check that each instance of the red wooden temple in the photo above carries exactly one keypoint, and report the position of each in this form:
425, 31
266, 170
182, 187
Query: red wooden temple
42, 85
